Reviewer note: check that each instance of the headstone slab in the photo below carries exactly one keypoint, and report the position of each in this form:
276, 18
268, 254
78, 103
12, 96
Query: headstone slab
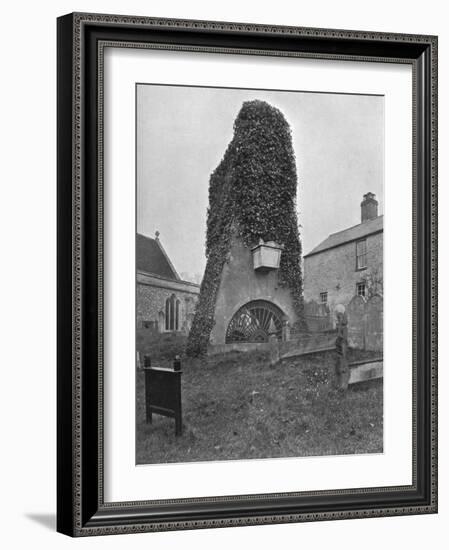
355, 312
374, 323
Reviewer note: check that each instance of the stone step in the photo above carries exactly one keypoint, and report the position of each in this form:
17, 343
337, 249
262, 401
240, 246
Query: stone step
361, 371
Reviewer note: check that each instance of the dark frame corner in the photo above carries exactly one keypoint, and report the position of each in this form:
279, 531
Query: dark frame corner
81, 509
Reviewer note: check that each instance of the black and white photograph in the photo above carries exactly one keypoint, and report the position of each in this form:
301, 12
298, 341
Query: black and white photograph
259, 273
221, 300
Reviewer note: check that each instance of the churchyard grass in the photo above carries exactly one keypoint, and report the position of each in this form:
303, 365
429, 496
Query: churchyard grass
235, 406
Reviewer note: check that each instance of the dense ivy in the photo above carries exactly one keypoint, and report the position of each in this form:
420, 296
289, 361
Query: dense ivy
252, 195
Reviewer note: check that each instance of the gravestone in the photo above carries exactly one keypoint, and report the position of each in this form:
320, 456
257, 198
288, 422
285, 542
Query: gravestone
341, 348
355, 312
274, 345
374, 324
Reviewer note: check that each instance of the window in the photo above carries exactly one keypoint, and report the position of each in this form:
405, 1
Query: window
172, 306
361, 254
177, 315
323, 297
361, 289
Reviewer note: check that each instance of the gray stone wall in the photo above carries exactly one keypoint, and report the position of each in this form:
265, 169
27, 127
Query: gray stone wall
334, 271
150, 306
241, 284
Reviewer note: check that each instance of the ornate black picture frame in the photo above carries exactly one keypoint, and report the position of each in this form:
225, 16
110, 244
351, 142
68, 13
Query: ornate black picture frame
81, 510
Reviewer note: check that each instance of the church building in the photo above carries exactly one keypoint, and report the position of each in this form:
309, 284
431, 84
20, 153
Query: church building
164, 302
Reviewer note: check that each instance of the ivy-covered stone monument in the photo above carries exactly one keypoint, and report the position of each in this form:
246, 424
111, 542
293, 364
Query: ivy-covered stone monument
252, 283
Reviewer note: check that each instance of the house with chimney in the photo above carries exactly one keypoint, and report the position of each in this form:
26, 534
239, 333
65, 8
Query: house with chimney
164, 302
347, 263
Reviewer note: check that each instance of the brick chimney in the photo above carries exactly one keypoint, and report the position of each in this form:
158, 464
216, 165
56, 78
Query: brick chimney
369, 207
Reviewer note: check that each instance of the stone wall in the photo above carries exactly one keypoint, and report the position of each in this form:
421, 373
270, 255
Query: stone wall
334, 270
241, 347
306, 343
150, 303
240, 284
317, 316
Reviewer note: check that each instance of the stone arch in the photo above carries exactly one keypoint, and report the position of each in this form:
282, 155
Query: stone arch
253, 321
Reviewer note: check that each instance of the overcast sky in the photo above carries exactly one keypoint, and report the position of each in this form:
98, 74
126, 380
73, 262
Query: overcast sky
183, 132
